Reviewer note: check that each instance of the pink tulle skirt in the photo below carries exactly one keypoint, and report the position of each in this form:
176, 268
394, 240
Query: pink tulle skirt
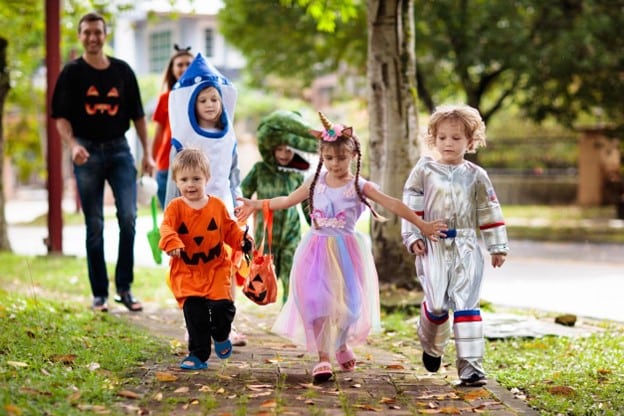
334, 293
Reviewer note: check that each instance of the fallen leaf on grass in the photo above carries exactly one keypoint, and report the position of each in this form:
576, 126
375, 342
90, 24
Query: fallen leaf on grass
30, 390
356, 385
73, 398
13, 410
128, 394
310, 386
367, 407
93, 366
205, 389
63, 358
261, 394
269, 403
181, 390
17, 364
258, 387
395, 367
450, 410
475, 394
164, 376
97, 409
387, 400
158, 396
562, 390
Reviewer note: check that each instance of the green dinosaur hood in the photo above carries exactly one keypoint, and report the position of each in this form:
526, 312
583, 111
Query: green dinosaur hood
286, 127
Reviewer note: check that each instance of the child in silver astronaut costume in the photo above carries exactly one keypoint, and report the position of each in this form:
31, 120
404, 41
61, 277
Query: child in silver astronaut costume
451, 269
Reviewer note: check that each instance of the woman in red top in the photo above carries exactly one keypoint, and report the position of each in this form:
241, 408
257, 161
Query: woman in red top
161, 144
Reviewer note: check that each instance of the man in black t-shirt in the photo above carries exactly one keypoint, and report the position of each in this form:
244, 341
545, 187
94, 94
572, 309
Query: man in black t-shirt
94, 99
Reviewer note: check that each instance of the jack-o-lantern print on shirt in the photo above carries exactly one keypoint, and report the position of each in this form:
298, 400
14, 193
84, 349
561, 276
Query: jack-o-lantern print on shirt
97, 102
204, 242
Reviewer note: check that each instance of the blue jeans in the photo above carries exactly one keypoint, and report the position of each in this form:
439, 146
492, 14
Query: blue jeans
110, 162
161, 180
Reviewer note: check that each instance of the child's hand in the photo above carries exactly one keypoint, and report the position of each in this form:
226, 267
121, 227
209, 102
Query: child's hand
433, 229
176, 252
243, 212
419, 248
498, 259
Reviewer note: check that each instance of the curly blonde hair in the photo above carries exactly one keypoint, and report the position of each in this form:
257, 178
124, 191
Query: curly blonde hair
474, 126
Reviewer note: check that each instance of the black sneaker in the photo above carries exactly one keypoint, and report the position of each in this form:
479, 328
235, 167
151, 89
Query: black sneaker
432, 364
100, 304
129, 301
474, 380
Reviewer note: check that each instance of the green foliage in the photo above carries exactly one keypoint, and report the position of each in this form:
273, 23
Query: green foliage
305, 50
558, 60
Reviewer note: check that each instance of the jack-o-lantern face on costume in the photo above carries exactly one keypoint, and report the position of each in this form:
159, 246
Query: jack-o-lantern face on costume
207, 244
96, 103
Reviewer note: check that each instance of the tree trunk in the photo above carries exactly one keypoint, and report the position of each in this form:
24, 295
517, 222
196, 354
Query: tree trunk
5, 244
393, 126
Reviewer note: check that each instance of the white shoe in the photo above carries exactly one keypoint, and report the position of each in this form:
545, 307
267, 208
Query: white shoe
237, 339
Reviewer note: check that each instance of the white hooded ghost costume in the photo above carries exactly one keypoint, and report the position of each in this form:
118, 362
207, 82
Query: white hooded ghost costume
219, 146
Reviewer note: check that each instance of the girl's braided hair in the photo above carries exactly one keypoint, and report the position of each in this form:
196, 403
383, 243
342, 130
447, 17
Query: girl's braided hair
338, 136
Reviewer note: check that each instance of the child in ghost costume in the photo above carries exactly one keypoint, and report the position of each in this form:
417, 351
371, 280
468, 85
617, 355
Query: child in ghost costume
220, 146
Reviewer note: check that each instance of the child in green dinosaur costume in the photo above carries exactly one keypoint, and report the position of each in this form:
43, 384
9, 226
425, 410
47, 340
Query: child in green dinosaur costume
281, 135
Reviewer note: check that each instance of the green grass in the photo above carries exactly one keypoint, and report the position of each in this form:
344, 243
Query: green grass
60, 358
556, 375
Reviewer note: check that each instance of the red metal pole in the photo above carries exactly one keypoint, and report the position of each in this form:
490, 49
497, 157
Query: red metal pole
54, 156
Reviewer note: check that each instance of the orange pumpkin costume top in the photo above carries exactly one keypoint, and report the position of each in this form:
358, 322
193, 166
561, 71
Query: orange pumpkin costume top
204, 268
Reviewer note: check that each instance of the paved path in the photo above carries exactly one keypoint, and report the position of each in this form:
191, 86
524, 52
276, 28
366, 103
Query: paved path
274, 376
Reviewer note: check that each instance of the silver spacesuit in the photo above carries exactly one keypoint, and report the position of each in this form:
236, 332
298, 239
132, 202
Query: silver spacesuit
452, 269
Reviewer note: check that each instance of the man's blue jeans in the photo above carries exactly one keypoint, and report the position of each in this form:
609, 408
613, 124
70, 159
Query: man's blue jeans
110, 162
161, 179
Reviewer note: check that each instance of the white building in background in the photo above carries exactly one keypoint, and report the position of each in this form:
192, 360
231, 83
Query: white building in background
145, 36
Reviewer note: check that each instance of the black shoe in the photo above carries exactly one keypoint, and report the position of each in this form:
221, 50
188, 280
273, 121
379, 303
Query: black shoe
475, 380
129, 301
432, 364
100, 304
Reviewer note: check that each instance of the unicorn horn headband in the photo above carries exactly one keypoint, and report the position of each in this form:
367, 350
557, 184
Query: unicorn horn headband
331, 131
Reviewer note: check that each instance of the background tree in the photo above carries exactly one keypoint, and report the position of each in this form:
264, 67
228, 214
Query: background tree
560, 58
393, 125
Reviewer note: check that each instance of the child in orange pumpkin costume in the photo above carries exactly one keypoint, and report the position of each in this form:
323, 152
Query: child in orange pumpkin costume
194, 230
